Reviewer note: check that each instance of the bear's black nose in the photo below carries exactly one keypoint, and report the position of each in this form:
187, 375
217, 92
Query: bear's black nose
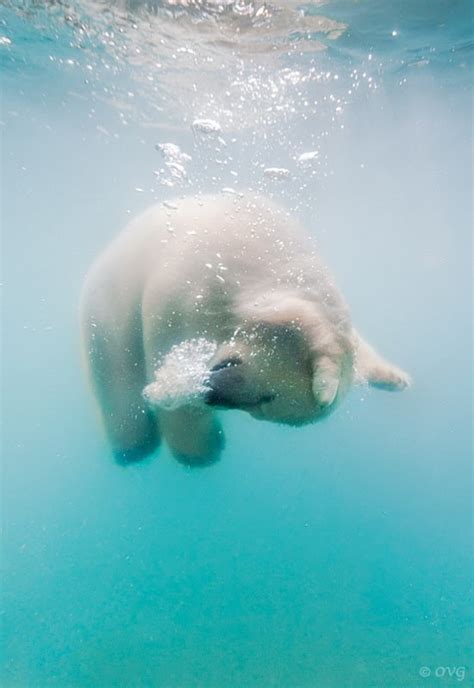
225, 384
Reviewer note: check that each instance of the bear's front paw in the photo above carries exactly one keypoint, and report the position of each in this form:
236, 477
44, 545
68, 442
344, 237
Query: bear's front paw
193, 435
199, 452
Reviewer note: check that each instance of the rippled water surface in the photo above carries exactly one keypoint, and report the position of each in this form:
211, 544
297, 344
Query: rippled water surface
328, 556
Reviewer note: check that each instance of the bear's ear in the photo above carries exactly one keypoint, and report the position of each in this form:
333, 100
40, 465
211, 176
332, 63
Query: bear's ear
326, 381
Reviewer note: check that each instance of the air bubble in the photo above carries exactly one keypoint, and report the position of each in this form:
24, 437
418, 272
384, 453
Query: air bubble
276, 173
206, 127
307, 158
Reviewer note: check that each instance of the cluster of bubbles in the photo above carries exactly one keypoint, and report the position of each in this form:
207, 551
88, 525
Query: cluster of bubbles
190, 58
224, 82
181, 378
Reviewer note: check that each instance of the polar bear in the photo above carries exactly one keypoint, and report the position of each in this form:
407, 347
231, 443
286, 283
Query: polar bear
238, 271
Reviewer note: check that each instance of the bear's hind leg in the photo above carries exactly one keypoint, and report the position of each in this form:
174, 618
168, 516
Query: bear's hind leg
375, 370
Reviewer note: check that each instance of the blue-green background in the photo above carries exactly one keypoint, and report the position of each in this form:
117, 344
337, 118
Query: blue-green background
331, 556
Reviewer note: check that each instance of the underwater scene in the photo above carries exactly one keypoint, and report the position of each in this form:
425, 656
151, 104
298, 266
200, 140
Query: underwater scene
210, 476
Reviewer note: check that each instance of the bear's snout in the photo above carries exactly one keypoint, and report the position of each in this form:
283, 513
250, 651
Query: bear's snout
229, 386
225, 385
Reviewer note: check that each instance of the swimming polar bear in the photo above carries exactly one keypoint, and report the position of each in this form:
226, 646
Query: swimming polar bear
237, 271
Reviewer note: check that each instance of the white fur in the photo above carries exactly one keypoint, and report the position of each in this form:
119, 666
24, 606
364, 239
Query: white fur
238, 271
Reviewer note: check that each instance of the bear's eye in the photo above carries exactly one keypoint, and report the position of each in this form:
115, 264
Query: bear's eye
226, 363
267, 398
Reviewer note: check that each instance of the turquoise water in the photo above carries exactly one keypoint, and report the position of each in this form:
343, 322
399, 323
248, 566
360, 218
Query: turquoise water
332, 556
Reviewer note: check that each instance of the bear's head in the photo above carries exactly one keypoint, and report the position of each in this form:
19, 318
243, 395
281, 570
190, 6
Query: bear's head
287, 363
